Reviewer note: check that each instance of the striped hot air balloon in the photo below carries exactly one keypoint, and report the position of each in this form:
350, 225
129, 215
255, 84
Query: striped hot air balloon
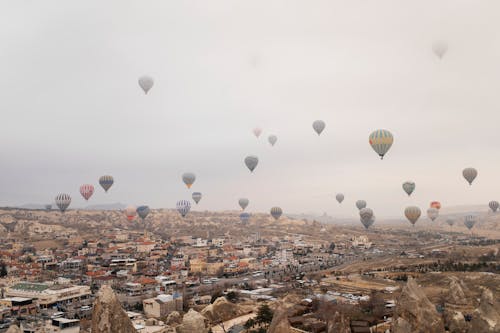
493, 205
276, 212
183, 207
381, 141
196, 197
86, 190
106, 182
412, 213
63, 201
470, 221
469, 174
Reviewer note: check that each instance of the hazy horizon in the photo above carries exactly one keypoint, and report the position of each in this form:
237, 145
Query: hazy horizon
73, 111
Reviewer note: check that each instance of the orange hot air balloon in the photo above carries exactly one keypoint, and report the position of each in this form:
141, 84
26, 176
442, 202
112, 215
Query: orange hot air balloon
436, 204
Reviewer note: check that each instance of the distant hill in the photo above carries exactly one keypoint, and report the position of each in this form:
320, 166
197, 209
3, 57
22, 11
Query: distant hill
31, 206
112, 206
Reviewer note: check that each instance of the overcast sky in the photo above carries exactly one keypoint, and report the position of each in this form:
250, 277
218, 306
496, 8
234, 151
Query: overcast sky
71, 108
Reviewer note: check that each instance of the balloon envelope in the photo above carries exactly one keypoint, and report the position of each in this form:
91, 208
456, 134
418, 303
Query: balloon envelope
470, 220
243, 202
469, 174
439, 48
319, 126
366, 214
432, 213
412, 213
86, 190
183, 207
381, 141
146, 83
130, 212
368, 223
196, 197
251, 162
272, 139
409, 187
244, 217
143, 211
63, 201
257, 131
435, 204
450, 222
188, 178
360, 204
493, 205
276, 212
339, 197
106, 182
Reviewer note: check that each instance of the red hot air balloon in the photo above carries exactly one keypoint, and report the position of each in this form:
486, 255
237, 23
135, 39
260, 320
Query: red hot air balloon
86, 190
436, 204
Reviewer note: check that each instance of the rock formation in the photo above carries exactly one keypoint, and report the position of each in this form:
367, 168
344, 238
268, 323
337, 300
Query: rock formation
108, 315
221, 310
456, 292
486, 318
14, 329
280, 323
414, 311
193, 322
455, 321
338, 324
174, 318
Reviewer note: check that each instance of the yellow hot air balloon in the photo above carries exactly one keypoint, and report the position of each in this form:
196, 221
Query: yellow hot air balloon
381, 141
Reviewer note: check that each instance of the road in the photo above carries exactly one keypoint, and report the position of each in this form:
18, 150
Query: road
230, 323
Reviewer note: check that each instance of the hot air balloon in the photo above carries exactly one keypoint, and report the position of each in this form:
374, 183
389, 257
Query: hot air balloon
188, 178
146, 83
130, 212
62, 201
143, 212
106, 182
409, 187
439, 48
243, 202
432, 213
319, 126
272, 139
366, 217
276, 212
360, 204
367, 223
450, 222
412, 213
339, 197
493, 205
244, 217
251, 162
469, 174
86, 191
183, 207
48, 207
435, 204
257, 131
381, 141
470, 220
196, 197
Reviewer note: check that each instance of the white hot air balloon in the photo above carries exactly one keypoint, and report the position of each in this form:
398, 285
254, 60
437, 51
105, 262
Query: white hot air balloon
439, 48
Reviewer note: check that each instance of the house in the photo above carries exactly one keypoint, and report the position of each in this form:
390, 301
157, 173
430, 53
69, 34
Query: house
162, 305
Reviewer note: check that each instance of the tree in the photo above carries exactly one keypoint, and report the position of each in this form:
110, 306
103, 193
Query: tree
264, 314
3, 269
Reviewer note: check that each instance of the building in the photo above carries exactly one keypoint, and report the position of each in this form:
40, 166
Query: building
162, 305
218, 242
48, 296
361, 242
19, 306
